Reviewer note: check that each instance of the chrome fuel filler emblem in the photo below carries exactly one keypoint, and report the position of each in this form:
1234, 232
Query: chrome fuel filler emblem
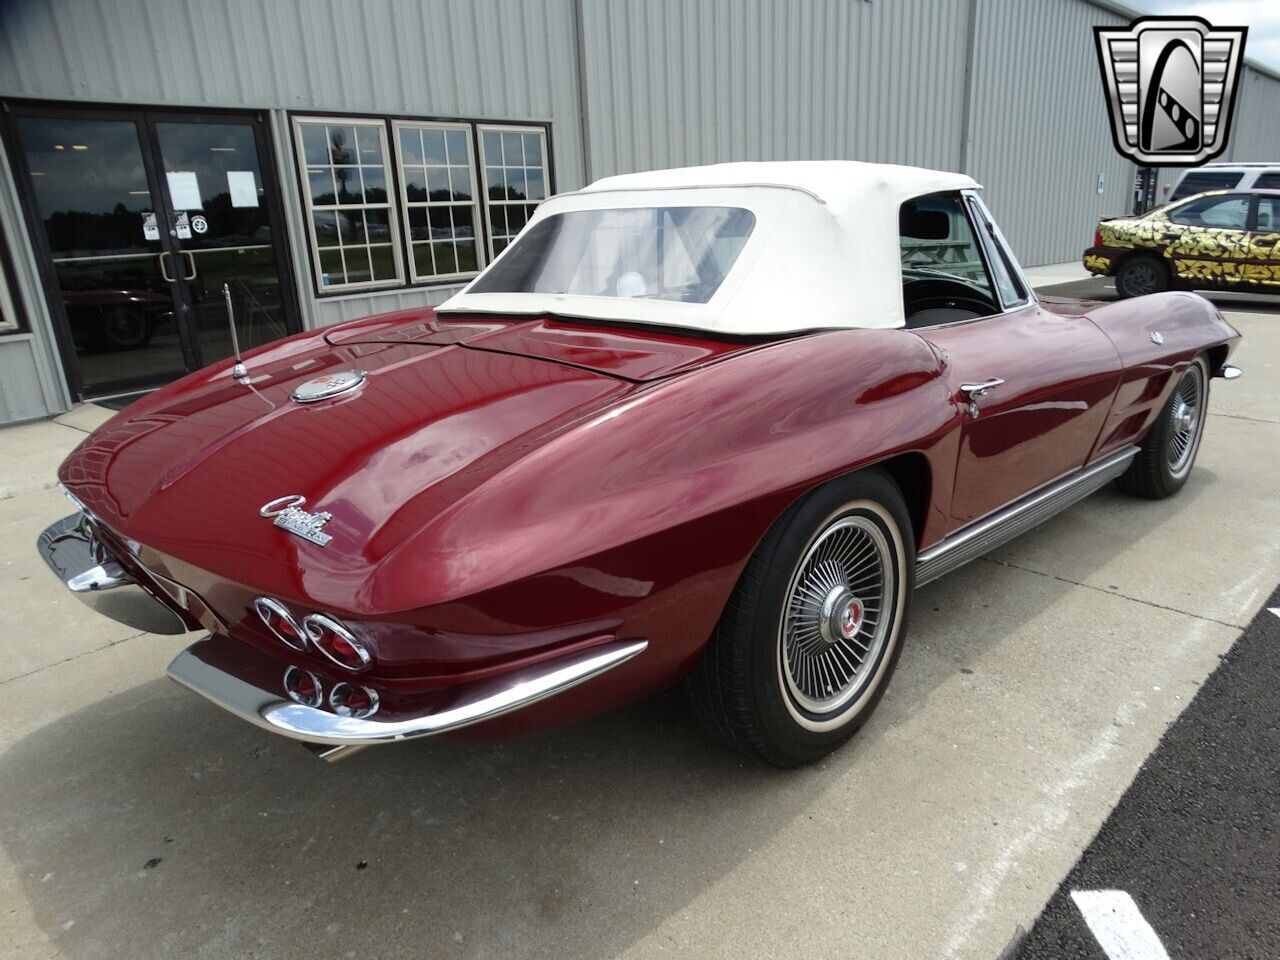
328, 385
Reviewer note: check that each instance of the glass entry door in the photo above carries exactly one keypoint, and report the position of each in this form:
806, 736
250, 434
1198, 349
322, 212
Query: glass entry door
223, 231
141, 218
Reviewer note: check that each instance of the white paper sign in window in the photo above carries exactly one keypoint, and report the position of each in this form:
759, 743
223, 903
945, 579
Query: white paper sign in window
243, 187
184, 190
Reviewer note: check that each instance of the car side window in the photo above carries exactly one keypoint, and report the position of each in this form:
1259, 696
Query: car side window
1223, 213
1268, 215
944, 272
1205, 180
935, 237
1268, 181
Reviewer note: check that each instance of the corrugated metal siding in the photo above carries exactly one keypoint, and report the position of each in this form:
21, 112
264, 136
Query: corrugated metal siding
1255, 131
679, 82
21, 392
31, 384
474, 58
1039, 134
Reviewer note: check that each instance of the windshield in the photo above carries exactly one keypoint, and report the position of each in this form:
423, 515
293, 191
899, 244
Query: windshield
654, 253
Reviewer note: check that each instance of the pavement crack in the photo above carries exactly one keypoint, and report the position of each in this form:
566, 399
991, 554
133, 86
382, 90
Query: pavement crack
1113, 593
78, 656
1241, 416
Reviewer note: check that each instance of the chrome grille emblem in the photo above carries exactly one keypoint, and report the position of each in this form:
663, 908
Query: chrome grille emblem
287, 514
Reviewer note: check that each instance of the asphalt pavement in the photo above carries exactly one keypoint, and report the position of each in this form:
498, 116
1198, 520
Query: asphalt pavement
1195, 842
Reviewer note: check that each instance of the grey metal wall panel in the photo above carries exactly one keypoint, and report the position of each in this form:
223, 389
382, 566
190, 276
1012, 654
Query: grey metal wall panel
31, 383
1039, 131
1255, 130
22, 395
679, 82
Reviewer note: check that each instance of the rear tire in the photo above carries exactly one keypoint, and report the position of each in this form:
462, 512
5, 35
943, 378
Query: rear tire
1141, 275
1168, 452
812, 632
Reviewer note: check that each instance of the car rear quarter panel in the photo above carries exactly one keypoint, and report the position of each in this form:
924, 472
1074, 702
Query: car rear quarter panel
639, 522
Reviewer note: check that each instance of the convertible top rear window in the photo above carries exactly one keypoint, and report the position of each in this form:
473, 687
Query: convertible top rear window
655, 253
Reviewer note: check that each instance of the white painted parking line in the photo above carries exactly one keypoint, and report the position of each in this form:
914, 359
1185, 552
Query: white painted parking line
1275, 610
1118, 925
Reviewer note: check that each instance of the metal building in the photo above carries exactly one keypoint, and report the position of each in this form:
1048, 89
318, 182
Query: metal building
331, 159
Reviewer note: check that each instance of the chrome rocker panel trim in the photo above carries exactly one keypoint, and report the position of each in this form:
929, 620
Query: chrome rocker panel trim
473, 703
88, 570
1017, 518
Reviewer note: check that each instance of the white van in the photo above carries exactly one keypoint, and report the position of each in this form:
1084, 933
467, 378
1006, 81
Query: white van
1226, 176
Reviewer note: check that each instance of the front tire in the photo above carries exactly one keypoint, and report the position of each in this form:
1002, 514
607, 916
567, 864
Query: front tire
1141, 275
812, 632
1168, 452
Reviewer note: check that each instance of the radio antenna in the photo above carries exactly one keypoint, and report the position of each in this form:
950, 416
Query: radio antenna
239, 371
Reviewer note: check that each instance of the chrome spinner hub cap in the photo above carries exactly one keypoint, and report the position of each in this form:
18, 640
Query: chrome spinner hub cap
833, 629
841, 616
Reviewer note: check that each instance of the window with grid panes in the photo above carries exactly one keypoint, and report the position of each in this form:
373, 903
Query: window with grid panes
514, 161
353, 232
441, 204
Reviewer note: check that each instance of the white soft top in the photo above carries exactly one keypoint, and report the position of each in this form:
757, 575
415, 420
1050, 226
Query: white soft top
824, 251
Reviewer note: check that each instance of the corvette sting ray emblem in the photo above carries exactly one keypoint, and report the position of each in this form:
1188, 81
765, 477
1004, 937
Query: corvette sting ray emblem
1170, 85
288, 514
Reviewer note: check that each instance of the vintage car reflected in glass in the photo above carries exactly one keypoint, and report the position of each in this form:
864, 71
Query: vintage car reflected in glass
114, 318
712, 426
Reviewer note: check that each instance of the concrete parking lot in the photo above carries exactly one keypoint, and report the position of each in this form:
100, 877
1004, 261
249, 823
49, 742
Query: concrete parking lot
139, 821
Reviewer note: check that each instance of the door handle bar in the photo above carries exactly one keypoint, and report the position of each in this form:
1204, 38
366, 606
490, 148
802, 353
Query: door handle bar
975, 390
163, 266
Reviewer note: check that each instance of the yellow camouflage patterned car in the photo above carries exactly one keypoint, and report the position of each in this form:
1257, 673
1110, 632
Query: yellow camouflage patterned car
1225, 240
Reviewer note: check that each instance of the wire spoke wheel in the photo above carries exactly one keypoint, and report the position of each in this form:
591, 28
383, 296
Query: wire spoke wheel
834, 621
1186, 412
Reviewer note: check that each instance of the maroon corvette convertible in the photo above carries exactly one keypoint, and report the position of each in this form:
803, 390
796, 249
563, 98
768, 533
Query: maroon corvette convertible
713, 424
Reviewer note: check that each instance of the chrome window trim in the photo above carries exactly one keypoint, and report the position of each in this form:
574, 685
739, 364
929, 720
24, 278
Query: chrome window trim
1001, 245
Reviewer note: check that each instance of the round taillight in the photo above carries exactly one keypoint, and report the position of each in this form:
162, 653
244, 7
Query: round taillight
349, 700
303, 687
336, 642
280, 622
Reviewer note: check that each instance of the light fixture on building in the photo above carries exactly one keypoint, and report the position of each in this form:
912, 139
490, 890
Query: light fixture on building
79, 146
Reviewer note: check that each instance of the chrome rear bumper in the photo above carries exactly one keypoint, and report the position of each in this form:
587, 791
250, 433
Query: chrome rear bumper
89, 571
455, 707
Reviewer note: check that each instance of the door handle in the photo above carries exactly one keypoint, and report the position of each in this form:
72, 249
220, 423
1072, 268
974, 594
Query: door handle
191, 260
975, 390
163, 272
